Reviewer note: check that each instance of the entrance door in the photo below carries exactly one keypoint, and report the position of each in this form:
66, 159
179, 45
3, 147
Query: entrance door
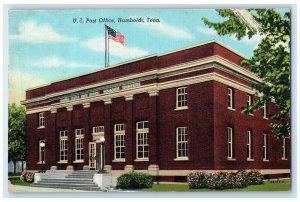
92, 155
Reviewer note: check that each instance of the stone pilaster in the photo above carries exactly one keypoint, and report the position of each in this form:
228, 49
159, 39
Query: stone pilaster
129, 136
71, 137
153, 140
109, 141
87, 134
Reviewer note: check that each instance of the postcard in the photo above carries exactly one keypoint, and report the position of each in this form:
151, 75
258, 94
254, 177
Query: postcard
151, 100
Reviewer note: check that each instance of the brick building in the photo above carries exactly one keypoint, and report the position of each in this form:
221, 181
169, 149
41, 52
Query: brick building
165, 114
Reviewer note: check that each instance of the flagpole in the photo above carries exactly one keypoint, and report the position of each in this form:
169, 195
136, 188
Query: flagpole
105, 55
107, 50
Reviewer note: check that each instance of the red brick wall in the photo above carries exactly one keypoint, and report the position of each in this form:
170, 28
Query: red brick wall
207, 118
199, 120
241, 123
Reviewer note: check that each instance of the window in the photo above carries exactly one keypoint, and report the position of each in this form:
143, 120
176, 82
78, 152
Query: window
249, 103
142, 144
230, 98
41, 120
265, 147
283, 149
98, 129
230, 143
42, 151
181, 98
265, 112
63, 146
119, 141
249, 145
182, 143
79, 144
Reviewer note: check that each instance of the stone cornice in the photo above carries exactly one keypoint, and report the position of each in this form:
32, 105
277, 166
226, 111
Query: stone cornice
153, 89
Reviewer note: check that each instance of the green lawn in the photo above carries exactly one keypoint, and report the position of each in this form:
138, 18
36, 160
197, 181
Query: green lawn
16, 181
272, 185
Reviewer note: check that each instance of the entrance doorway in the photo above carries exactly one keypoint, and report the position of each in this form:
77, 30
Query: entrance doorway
96, 155
92, 155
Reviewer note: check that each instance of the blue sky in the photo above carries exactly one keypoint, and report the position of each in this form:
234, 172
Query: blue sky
46, 45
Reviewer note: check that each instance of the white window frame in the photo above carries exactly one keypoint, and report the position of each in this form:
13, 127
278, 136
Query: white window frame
182, 138
249, 145
230, 99
98, 129
230, 143
283, 147
40, 152
265, 111
119, 141
265, 147
249, 103
63, 146
41, 118
142, 140
178, 94
79, 147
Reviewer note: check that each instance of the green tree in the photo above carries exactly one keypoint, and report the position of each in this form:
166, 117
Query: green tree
16, 134
270, 60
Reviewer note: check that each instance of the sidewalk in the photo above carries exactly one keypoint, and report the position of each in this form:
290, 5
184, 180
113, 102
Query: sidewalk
18, 188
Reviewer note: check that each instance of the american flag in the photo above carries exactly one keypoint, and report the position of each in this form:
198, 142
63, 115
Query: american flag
116, 36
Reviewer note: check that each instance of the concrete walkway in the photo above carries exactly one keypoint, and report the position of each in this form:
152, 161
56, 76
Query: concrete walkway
18, 188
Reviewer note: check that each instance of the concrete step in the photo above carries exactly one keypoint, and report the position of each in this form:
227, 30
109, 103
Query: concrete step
84, 172
87, 174
86, 188
68, 179
79, 180
66, 182
80, 176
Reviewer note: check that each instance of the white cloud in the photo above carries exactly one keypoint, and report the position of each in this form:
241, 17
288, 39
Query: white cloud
116, 49
19, 82
53, 61
31, 32
207, 31
166, 29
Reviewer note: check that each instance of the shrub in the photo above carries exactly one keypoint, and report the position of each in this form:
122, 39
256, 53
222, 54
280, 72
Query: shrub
27, 176
134, 180
255, 177
197, 180
224, 180
240, 179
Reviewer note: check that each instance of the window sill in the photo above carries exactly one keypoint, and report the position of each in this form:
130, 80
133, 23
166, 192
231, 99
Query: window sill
284, 159
181, 108
181, 159
78, 161
231, 159
250, 159
61, 162
141, 160
250, 114
41, 162
118, 160
265, 160
231, 109
41, 127
265, 118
